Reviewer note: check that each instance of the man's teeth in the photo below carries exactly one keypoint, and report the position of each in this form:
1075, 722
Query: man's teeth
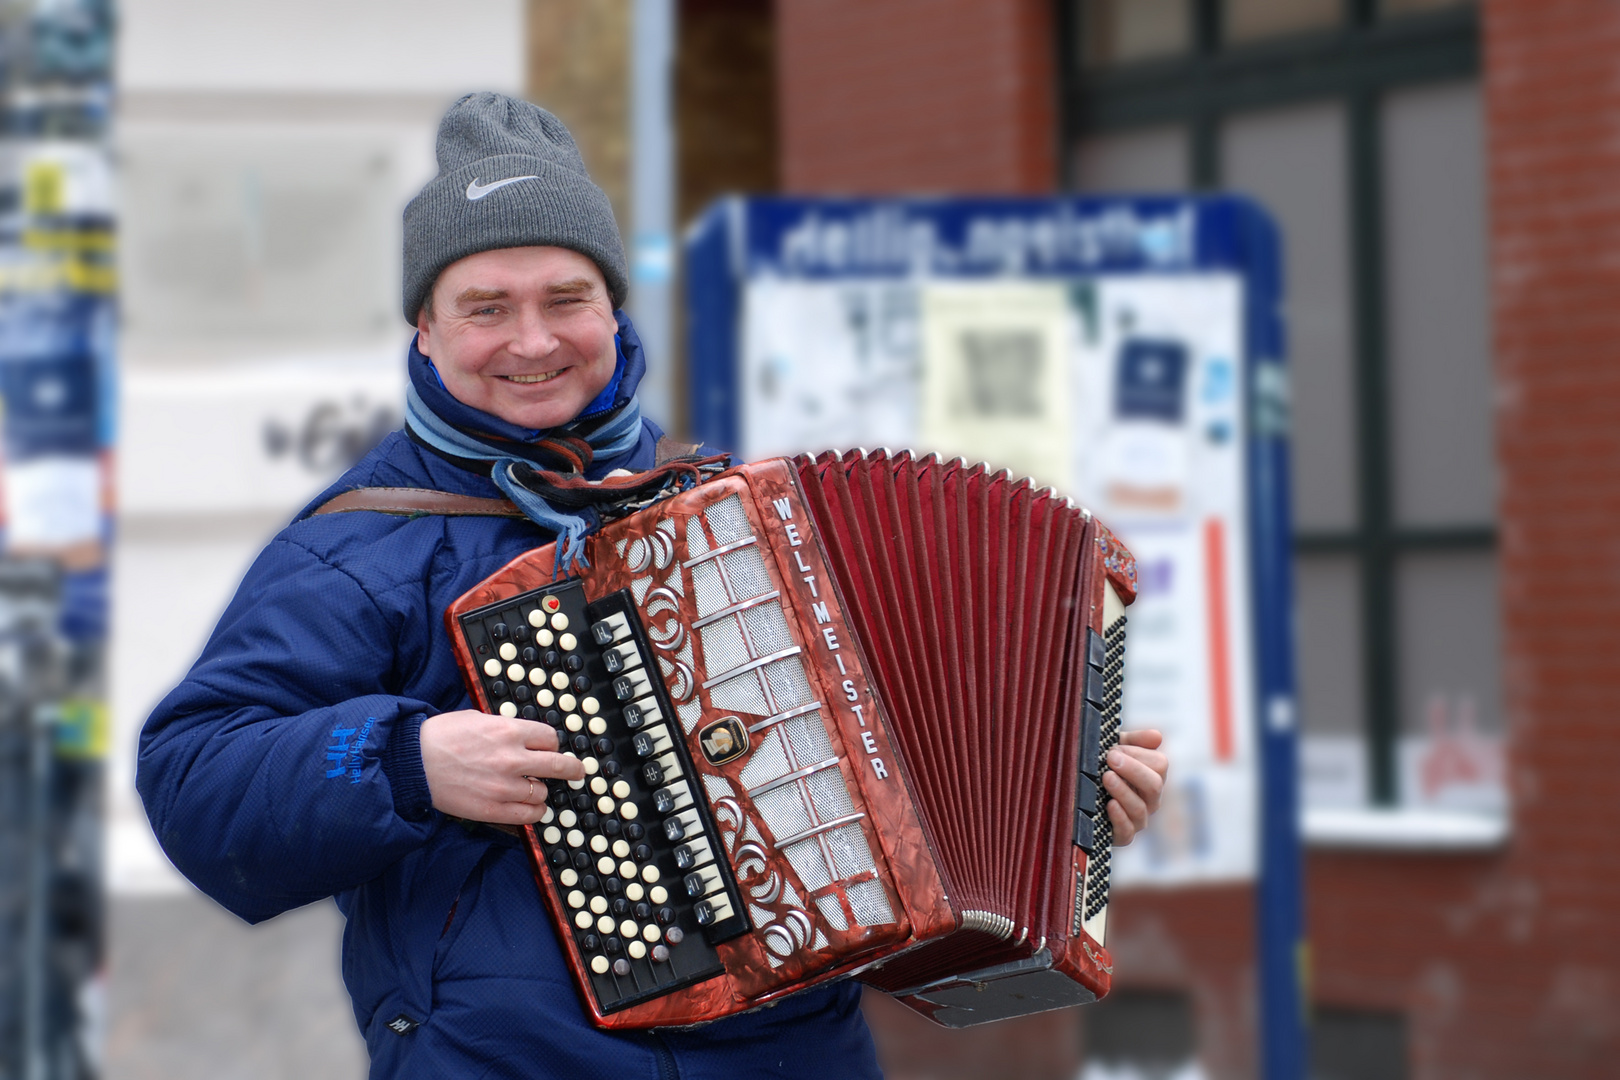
543, 377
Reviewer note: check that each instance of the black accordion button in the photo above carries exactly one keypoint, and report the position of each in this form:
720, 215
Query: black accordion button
612, 826
550, 658
530, 713
574, 662
602, 745
590, 943
582, 859
582, 683
589, 883
500, 632
641, 852
621, 967
498, 688
558, 856
521, 632
530, 656
612, 886
520, 692
589, 821
582, 742
666, 915
611, 767
620, 906
642, 911
634, 831
612, 944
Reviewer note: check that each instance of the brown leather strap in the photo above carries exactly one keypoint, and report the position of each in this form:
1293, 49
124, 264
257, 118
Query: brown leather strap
669, 450
411, 501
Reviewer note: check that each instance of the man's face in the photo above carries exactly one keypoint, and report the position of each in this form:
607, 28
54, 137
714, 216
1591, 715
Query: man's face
523, 333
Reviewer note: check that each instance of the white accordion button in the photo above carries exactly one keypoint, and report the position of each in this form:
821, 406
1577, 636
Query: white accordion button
627, 870
634, 891
628, 811
574, 722
576, 899
596, 725
567, 642
559, 679
575, 838
599, 904
566, 702
508, 651
545, 819
649, 873
621, 848
658, 894
621, 789
582, 919
508, 709
604, 866
599, 843
516, 673
650, 932
545, 639
552, 835
559, 621
604, 805
636, 950
537, 677
628, 928
591, 767
569, 878
598, 784
590, 705
537, 618
599, 964
605, 924
492, 667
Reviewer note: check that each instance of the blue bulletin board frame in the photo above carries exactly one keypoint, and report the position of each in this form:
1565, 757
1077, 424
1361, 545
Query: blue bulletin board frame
741, 239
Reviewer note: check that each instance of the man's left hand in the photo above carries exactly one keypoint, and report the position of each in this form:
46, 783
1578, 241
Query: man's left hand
1135, 779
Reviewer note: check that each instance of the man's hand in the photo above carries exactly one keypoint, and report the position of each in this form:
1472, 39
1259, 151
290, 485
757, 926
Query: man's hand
492, 768
1135, 779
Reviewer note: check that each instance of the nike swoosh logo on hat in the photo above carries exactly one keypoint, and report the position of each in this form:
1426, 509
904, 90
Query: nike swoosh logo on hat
476, 191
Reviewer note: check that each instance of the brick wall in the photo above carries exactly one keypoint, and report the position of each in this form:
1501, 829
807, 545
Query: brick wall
916, 96
1507, 964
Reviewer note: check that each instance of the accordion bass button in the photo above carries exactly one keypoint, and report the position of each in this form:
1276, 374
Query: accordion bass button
509, 709
660, 954
544, 638
590, 706
658, 895
559, 622
559, 680
674, 935
567, 642
621, 967
599, 905
492, 667
536, 618
636, 950
582, 919
629, 811
508, 651
649, 874
599, 964
634, 891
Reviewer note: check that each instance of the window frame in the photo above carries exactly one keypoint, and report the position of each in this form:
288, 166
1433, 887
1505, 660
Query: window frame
1358, 63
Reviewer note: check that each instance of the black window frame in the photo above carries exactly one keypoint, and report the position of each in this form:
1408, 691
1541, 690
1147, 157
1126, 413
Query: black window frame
1358, 63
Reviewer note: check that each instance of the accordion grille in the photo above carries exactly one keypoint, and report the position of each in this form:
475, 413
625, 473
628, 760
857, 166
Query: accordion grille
727, 521
870, 903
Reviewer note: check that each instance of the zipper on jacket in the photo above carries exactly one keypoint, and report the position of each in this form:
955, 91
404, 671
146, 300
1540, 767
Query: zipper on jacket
667, 1069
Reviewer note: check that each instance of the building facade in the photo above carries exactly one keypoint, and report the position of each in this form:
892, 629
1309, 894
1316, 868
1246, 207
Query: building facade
1440, 172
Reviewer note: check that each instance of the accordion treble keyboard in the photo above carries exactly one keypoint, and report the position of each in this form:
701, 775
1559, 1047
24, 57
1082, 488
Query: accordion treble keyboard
632, 849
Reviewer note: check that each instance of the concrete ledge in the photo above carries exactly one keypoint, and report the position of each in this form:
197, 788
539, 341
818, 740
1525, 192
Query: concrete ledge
1404, 829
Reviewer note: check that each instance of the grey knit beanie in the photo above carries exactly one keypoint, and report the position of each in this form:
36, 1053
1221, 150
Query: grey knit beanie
509, 176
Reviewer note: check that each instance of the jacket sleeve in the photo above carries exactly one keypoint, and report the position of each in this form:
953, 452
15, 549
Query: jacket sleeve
263, 772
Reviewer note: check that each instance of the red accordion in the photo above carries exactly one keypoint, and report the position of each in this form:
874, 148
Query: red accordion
842, 715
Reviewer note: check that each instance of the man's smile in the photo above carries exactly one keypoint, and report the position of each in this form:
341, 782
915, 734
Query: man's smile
545, 376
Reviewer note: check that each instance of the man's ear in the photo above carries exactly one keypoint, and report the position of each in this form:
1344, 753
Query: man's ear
423, 333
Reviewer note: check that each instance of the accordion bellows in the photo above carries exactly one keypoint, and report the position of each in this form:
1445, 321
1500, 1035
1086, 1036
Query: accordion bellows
844, 715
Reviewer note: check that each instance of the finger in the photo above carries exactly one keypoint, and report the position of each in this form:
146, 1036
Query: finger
1128, 799
538, 736
552, 766
1144, 779
1124, 830
1147, 739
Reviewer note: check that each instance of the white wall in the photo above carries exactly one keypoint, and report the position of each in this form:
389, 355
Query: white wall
215, 98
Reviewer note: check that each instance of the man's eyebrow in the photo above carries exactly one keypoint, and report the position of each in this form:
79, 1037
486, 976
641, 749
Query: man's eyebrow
576, 285
473, 296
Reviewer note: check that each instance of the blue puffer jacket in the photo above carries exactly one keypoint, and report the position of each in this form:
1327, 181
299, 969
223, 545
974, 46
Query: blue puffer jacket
286, 768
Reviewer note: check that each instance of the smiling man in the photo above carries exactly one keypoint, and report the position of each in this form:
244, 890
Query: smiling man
323, 744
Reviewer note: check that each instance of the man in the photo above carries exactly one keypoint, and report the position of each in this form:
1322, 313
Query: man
321, 746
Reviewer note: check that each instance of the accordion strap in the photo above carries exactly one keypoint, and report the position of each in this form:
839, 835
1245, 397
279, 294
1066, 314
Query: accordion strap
410, 501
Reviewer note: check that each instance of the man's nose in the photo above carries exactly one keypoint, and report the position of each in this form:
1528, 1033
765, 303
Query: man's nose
533, 337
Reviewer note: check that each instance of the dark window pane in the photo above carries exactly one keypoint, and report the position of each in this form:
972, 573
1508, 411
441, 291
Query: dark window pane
1150, 159
1393, 9
1333, 751
1293, 162
1254, 20
1450, 680
1150, 1031
1120, 31
1439, 325
1354, 1045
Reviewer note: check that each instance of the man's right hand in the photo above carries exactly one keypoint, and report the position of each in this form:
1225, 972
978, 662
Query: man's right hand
479, 766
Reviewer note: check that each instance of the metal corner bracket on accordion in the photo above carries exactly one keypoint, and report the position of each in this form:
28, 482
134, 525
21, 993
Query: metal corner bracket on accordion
785, 740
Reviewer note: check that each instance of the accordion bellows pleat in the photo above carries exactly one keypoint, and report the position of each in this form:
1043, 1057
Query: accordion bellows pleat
900, 661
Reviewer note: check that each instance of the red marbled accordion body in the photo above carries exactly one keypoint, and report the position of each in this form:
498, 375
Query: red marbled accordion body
906, 643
